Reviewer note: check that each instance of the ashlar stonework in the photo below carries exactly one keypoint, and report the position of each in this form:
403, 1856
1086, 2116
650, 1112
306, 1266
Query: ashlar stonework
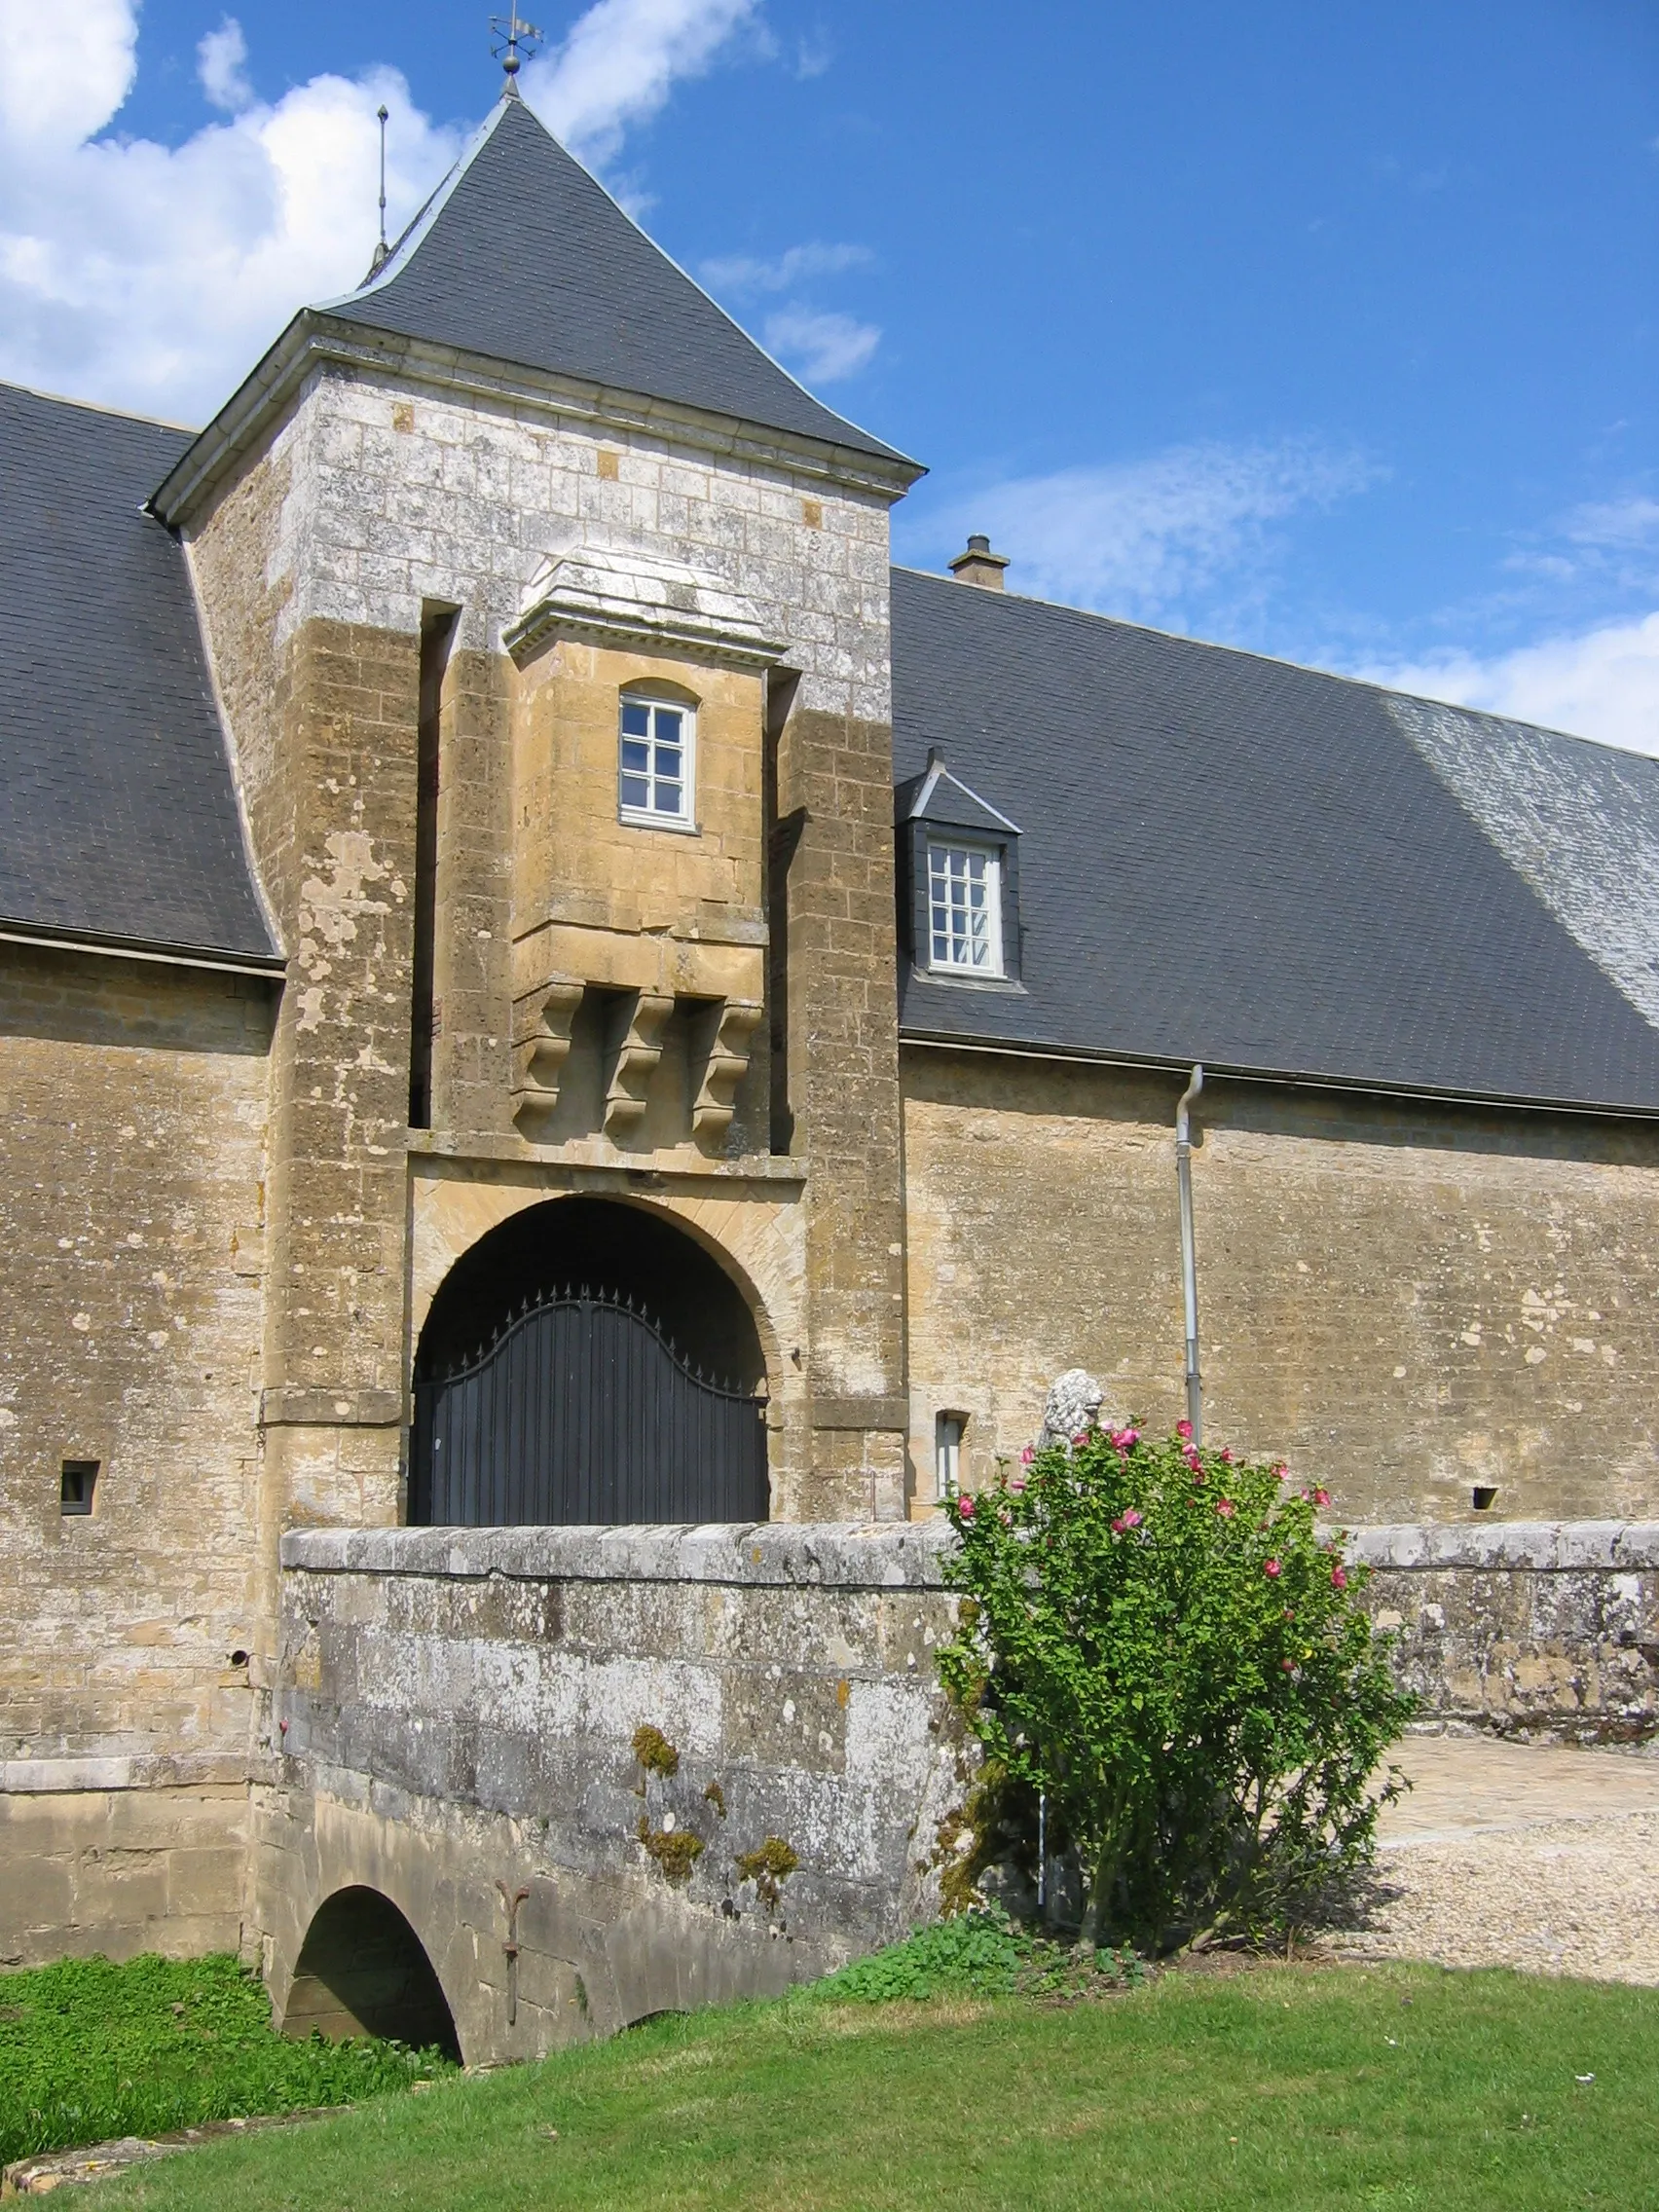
510, 1037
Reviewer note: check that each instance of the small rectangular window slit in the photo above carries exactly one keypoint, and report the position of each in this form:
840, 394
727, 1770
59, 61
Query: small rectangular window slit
80, 1479
947, 1454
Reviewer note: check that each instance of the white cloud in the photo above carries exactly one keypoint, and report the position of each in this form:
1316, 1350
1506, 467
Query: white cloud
1603, 683
1140, 538
1633, 521
814, 53
221, 60
822, 348
622, 60
63, 73
797, 264
153, 276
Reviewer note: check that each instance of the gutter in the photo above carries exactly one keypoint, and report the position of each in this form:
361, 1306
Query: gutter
1283, 1079
271, 968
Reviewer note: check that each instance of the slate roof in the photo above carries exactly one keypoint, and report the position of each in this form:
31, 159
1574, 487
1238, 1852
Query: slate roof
1231, 860
118, 817
522, 256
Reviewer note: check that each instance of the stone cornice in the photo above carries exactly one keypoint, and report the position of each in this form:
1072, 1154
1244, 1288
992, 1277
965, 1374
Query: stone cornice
315, 339
636, 600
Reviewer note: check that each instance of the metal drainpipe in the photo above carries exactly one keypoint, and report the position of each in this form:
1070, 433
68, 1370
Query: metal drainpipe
1189, 1252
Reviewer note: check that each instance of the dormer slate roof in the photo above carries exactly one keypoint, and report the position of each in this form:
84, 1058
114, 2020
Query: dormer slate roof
1275, 872
118, 817
522, 256
938, 796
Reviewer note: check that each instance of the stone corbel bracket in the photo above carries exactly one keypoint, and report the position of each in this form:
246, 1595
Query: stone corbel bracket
730, 1026
542, 1043
636, 1042
633, 600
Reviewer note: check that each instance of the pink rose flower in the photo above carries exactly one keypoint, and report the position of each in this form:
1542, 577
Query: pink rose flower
1289, 1666
1184, 1429
1027, 1455
964, 1507
1225, 1508
1017, 1482
1279, 1468
1339, 1578
1320, 1497
1129, 1519
1226, 1454
1271, 1570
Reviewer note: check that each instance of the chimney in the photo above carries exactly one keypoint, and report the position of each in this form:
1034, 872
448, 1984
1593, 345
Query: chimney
980, 565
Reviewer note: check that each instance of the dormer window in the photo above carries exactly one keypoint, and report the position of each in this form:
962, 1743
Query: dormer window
958, 881
657, 762
964, 907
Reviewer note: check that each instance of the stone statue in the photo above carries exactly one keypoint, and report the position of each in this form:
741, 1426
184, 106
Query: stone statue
1072, 1404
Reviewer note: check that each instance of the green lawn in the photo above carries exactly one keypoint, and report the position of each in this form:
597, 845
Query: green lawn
1287, 2086
88, 2050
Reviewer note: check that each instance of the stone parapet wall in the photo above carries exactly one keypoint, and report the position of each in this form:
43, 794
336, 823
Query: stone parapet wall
1524, 1626
457, 1709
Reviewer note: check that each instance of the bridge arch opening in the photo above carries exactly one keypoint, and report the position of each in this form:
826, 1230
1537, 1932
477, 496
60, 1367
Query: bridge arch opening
363, 1970
588, 1362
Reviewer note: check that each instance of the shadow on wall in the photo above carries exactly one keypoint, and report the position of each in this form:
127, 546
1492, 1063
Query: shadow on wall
622, 1251
362, 1972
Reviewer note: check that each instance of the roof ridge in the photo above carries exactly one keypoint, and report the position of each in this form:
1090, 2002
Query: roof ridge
1279, 660
99, 407
414, 233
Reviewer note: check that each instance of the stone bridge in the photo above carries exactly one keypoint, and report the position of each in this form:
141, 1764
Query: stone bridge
531, 1784
456, 1717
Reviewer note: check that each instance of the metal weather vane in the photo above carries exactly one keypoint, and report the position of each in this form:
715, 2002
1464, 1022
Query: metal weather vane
512, 40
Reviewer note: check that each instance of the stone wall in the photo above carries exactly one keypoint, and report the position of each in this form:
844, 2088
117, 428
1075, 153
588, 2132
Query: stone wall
132, 1128
1533, 1628
456, 1715
459, 1709
1405, 1300
381, 498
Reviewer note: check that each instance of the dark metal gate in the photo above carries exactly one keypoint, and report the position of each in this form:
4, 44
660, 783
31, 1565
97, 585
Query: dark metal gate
581, 1411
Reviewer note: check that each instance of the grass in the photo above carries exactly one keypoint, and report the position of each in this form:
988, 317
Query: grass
1286, 2086
89, 2050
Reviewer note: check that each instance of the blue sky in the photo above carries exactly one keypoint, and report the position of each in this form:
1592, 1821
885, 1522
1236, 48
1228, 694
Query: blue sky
1333, 332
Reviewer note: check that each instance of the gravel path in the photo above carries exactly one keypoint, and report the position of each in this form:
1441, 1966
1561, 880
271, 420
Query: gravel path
1507, 1855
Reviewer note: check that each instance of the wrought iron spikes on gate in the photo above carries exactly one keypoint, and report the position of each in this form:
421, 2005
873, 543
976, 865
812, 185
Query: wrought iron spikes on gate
581, 1411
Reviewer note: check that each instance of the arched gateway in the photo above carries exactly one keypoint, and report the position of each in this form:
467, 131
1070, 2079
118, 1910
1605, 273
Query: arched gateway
587, 1362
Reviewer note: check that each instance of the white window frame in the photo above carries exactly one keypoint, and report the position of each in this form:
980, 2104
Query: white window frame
948, 1432
968, 851
653, 817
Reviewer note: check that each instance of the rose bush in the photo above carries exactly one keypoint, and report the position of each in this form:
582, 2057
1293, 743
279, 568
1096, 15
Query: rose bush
1160, 1639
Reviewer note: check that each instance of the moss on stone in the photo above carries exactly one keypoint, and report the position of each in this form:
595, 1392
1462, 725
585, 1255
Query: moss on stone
654, 1753
676, 1850
769, 1867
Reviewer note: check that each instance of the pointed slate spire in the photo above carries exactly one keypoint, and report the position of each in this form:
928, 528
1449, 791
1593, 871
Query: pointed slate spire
520, 255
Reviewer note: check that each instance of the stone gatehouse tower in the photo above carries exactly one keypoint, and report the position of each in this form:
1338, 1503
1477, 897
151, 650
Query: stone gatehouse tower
541, 980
